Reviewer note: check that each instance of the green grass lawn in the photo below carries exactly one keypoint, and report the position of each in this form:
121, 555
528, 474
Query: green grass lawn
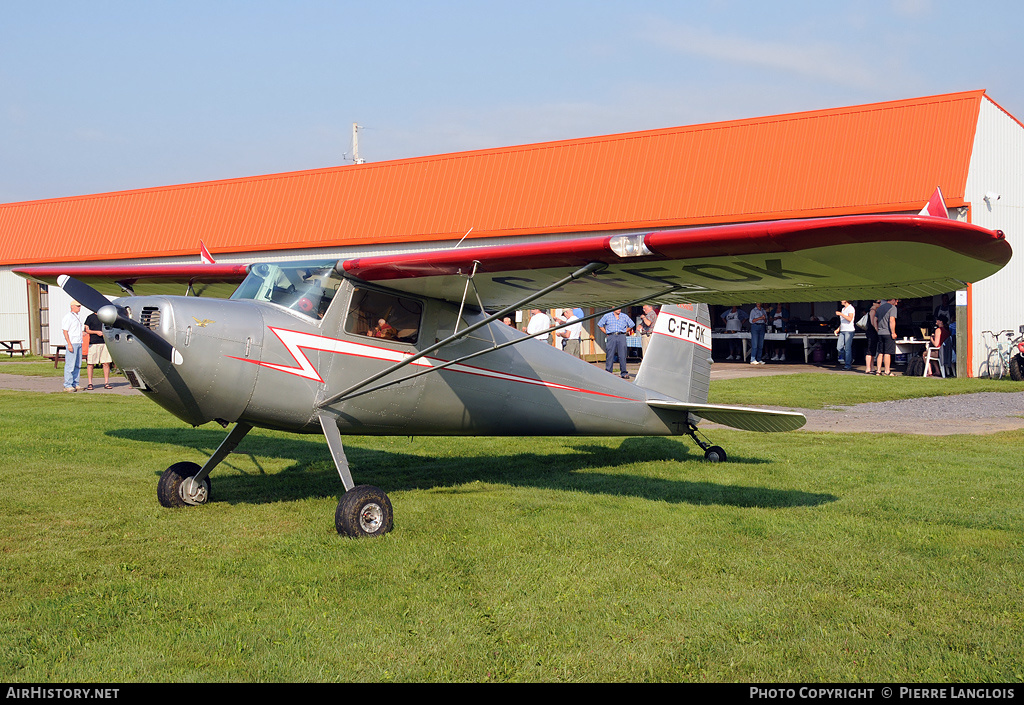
32, 365
808, 557
823, 390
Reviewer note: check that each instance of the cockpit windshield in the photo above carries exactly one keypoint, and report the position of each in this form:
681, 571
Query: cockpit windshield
305, 287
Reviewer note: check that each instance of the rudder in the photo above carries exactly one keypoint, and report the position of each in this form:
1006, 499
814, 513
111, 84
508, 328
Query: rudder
678, 358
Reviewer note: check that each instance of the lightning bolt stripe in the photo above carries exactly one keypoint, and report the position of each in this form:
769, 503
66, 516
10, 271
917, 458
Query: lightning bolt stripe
295, 342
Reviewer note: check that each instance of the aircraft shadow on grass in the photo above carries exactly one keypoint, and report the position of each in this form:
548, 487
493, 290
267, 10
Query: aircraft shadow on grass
313, 473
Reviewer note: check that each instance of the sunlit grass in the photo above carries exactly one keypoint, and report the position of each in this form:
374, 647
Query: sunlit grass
819, 390
31, 365
810, 557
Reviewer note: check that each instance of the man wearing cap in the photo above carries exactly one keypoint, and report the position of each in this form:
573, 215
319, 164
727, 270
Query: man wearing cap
616, 326
645, 325
72, 328
570, 336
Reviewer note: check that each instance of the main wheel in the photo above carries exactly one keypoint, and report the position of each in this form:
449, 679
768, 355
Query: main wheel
1017, 367
176, 488
364, 511
715, 454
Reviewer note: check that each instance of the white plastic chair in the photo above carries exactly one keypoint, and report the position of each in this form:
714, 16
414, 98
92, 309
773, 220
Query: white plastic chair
937, 354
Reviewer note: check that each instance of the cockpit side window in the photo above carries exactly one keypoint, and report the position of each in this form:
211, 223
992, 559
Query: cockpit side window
379, 315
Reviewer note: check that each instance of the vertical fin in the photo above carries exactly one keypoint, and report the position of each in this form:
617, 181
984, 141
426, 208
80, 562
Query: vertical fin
678, 358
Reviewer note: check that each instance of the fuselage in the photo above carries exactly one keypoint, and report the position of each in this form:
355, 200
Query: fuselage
272, 365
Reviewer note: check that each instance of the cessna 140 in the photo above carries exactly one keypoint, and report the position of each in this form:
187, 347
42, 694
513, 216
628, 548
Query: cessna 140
413, 344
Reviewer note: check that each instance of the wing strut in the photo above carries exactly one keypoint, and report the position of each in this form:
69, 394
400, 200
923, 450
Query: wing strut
517, 341
581, 272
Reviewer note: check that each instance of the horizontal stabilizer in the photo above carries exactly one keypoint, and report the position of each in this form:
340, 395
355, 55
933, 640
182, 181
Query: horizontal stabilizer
742, 417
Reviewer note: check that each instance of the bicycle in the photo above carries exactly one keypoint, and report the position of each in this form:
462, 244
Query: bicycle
1003, 353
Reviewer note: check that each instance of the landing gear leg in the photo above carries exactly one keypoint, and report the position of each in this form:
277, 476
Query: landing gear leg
712, 454
364, 510
187, 484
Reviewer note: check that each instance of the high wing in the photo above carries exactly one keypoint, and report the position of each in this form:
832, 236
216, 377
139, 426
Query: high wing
853, 257
215, 280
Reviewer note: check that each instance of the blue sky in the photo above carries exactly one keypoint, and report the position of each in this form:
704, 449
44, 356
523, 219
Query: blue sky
104, 95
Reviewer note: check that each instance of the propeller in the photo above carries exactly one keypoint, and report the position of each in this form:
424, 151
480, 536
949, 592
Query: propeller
114, 316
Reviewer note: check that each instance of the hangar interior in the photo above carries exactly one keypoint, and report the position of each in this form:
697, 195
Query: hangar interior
866, 159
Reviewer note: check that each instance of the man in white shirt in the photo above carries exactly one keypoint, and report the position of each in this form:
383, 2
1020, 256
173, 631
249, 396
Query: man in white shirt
571, 336
539, 321
734, 319
844, 346
72, 328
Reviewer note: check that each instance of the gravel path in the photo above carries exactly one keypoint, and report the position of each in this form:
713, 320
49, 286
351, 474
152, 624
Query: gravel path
29, 383
985, 412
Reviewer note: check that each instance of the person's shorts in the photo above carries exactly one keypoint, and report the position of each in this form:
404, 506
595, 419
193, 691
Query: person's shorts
98, 354
886, 345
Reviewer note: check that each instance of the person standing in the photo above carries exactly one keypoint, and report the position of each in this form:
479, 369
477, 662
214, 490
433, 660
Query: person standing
571, 335
97, 354
615, 326
734, 319
645, 326
539, 321
945, 312
871, 333
758, 327
72, 328
886, 318
844, 345
780, 322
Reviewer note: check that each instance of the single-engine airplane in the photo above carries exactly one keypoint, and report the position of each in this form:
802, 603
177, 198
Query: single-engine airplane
413, 344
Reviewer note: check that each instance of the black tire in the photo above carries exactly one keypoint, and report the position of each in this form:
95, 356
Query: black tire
1017, 367
364, 510
715, 454
169, 491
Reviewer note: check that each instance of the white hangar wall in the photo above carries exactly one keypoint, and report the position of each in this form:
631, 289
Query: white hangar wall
997, 166
13, 307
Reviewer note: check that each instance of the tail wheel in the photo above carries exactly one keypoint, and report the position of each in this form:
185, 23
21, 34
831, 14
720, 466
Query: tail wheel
177, 488
364, 511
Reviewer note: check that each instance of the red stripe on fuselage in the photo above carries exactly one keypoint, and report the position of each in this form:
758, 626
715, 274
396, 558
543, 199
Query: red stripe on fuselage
296, 341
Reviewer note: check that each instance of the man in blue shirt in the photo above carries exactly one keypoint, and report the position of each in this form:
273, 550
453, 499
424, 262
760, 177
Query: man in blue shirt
615, 326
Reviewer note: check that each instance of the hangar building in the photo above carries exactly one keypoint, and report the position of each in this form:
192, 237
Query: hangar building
878, 158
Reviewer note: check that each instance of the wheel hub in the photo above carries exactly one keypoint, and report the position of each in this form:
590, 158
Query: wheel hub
371, 517
192, 492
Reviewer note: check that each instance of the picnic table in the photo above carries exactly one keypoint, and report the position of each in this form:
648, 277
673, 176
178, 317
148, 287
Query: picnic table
13, 347
58, 354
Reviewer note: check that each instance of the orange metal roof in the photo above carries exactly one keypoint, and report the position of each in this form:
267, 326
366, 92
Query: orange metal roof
863, 159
